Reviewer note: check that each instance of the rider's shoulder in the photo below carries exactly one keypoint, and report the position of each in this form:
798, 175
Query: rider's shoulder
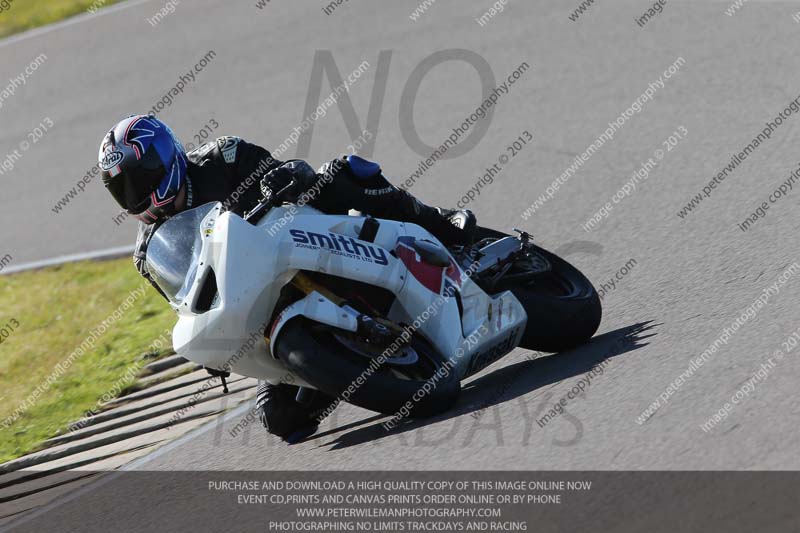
226, 147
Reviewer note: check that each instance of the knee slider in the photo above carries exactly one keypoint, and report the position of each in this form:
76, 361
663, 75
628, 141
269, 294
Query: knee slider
361, 168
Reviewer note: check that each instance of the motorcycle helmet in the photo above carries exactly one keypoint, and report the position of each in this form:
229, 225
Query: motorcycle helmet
143, 166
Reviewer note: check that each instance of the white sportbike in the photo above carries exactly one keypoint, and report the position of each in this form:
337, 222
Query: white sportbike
377, 312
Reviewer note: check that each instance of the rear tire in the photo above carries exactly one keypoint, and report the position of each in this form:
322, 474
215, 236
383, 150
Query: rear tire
556, 322
310, 350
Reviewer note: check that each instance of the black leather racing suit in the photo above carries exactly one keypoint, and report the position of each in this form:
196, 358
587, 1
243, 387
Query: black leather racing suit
230, 170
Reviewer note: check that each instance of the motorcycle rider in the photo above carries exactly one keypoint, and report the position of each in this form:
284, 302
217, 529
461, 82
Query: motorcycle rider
147, 171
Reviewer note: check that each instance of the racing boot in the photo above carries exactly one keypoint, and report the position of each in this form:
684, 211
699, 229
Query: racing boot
450, 226
464, 219
284, 416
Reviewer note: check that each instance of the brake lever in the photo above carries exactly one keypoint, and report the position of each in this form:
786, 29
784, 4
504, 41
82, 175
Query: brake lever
255, 214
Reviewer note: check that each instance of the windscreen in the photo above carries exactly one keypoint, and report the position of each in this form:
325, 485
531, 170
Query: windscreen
173, 252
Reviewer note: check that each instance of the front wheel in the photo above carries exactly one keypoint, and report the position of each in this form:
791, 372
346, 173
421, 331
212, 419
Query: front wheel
563, 306
415, 381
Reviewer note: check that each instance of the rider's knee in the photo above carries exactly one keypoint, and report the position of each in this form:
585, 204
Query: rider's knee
361, 168
352, 166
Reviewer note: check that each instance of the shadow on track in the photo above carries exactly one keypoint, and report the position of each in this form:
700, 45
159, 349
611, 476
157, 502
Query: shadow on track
504, 384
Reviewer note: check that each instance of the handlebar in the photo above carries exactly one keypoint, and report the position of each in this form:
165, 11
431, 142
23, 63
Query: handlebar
261, 209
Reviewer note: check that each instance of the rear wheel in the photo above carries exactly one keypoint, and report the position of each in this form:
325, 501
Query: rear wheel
343, 366
563, 306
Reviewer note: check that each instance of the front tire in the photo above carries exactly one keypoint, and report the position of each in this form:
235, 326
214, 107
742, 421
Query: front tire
314, 353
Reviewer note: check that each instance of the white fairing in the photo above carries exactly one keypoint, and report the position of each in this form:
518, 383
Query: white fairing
252, 264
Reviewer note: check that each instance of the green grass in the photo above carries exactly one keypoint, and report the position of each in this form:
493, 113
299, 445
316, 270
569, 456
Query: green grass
21, 15
56, 310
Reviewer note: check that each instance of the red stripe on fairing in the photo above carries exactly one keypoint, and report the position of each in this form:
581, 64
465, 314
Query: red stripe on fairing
429, 275
454, 273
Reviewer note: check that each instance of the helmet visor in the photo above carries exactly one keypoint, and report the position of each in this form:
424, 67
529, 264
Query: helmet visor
133, 192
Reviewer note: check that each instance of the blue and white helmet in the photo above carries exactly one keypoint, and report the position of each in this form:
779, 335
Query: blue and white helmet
143, 166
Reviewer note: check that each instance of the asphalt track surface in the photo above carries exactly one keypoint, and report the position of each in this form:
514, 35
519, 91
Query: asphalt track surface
692, 276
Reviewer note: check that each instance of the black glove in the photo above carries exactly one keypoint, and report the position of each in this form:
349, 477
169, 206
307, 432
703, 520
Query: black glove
290, 179
277, 180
